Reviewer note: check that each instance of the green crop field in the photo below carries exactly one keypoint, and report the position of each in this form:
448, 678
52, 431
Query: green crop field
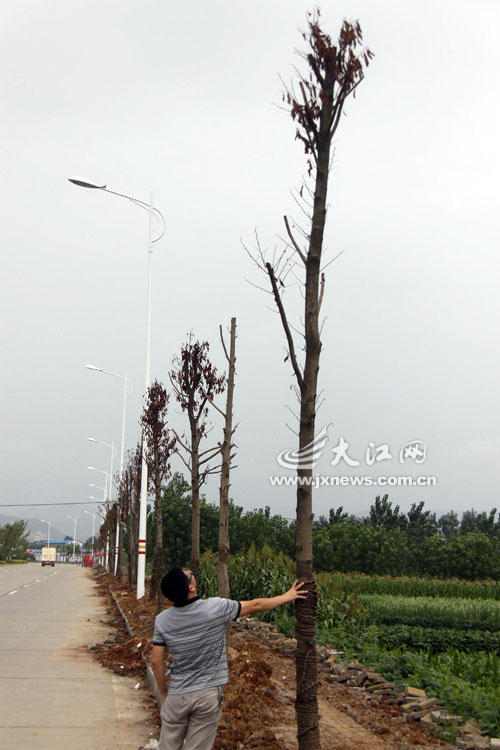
446, 612
407, 586
439, 635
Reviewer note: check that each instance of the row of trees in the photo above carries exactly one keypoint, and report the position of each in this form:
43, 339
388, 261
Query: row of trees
194, 383
418, 524
333, 72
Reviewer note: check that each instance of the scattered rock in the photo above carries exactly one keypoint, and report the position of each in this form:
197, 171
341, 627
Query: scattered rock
415, 692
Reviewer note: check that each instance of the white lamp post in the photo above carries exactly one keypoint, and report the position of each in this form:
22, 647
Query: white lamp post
48, 531
74, 534
158, 231
126, 385
113, 455
106, 480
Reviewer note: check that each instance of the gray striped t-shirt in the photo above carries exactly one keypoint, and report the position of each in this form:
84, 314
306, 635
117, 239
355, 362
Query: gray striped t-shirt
195, 635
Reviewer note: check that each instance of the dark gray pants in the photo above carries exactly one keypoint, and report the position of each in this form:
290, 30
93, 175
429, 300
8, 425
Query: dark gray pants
189, 721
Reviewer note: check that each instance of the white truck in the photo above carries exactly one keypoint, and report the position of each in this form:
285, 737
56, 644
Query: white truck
48, 556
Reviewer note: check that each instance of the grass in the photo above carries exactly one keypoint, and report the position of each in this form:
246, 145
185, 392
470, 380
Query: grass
13, 562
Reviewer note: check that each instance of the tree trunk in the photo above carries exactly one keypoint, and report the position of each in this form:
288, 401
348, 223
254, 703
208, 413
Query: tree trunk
195, 502
158, 551
223, 555
306, 668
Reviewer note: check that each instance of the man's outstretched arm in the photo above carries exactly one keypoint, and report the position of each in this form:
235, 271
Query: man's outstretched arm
263, 605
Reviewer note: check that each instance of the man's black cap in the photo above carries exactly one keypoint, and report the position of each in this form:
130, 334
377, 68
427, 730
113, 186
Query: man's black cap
175, 585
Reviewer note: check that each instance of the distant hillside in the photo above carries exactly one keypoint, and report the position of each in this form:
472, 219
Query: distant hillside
34, 524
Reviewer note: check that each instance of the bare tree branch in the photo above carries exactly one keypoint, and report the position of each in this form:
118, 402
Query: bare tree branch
209, 458
286, 327
261, 288
210, 450
333, 260
322, 291
186, 464
180, 441
223, 343
292, 240
212, 403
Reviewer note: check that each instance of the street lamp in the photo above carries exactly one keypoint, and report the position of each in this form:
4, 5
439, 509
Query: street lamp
126, 384
158, 230
74, 535
98, 486
48, 531
101, 471
113, 455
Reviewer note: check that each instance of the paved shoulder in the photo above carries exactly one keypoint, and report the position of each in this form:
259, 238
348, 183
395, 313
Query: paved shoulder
51, 689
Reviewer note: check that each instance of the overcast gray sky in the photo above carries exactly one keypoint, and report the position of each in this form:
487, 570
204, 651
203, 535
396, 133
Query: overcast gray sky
181, 100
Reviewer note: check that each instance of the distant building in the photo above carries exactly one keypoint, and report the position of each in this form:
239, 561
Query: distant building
37, 536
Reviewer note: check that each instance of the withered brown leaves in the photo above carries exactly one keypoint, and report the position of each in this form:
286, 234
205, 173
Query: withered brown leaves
335, 71
160, 441
195, 381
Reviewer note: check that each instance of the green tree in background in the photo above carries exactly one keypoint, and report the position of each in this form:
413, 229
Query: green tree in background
13, 540
482, 522
449, 524
384, 516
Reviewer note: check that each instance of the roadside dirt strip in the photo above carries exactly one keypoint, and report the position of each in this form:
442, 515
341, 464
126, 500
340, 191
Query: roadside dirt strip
259, 700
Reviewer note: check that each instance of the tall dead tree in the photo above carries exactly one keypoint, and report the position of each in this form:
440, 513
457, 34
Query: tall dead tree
226, 458
160, 446
196, 383
316, 104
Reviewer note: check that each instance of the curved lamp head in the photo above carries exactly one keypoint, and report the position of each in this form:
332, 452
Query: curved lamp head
93, 367
86, 184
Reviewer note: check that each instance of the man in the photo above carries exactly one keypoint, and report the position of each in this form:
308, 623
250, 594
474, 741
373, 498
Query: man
194, 631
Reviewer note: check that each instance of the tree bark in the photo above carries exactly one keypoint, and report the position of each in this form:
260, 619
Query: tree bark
154, 590
223, 551
195, 500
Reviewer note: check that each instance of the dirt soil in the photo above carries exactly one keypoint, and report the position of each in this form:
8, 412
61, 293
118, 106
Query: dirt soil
258, 709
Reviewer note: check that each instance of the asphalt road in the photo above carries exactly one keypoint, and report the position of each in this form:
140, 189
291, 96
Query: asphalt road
53, 693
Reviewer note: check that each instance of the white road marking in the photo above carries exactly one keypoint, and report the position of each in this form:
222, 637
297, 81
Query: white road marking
13, 592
